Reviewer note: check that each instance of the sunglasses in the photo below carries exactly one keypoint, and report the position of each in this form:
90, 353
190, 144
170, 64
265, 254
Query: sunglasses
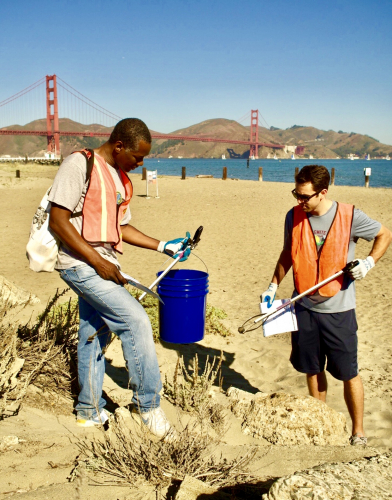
303, 197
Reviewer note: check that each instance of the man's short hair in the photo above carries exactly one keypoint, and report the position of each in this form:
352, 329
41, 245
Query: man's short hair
318, 175
130, 132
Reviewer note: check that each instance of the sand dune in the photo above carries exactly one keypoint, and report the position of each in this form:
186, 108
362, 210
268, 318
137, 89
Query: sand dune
242, 239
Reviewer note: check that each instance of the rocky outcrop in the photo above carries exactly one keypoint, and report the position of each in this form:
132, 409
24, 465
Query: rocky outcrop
365, 479
286, 419
12, 295
8, 443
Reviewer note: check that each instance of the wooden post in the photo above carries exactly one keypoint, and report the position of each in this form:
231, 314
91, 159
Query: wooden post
367, 178
18, 174
332, 176
261, 174
224, 175
183, 173
144, 174
296, 172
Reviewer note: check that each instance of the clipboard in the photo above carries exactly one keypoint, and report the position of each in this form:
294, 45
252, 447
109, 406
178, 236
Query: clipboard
283, 321
134, 282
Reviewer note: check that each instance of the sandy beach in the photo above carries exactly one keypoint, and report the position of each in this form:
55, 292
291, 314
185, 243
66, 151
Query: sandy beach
242, 238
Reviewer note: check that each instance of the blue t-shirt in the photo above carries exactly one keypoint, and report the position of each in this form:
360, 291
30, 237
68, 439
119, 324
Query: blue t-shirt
362, 227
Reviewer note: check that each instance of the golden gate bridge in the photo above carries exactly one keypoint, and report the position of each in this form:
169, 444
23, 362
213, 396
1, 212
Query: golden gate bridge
29, 102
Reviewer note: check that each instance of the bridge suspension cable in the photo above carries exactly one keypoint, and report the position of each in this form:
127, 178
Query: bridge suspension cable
77, 107
264, 120
24, 106
22, 92
244, 118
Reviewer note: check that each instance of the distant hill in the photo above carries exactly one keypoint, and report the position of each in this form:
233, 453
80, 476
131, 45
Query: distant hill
21, 145
329, 144
318, 143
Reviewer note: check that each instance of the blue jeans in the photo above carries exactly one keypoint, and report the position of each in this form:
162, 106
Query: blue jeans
106, 307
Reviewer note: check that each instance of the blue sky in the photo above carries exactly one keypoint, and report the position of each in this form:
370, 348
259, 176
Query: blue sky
176, 63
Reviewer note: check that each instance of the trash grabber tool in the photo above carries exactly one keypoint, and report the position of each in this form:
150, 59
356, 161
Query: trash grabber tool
263, 317
192, 243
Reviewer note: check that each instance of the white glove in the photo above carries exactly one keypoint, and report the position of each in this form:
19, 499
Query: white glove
269, 295
360, 270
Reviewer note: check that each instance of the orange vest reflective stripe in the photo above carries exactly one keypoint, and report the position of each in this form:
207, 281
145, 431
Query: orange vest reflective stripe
311, 267
101, 214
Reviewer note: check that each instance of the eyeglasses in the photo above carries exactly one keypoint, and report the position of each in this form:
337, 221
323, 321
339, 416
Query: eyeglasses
303, 197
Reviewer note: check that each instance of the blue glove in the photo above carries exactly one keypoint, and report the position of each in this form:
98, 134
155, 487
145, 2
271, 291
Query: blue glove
269, 295
174, 247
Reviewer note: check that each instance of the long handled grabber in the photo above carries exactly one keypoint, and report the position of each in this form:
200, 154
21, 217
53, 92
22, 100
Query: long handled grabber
265, 316
192, 243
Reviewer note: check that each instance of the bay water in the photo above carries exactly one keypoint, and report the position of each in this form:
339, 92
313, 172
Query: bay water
347, 172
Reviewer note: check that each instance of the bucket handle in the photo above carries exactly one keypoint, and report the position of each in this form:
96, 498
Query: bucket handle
192, 243
192, 254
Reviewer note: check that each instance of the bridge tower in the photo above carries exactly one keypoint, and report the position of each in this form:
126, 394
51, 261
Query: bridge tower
52, 115
254, 133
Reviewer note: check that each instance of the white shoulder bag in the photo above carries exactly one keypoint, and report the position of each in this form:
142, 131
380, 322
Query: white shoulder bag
43, 245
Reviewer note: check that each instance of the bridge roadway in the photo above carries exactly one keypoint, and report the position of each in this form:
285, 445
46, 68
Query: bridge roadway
154, 136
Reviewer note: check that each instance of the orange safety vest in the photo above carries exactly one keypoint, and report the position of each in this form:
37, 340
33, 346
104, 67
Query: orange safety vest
101, 214
311, 267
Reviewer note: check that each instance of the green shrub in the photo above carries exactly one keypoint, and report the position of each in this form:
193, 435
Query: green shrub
213, 324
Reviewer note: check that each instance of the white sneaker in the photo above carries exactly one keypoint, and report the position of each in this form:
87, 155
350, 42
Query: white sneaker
97, 420
158, 424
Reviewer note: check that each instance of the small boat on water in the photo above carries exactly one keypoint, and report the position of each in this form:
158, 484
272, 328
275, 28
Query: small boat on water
387, 157
223, 157
179, 156
275, 157
293, 157
310, 157
367, 157
252, 157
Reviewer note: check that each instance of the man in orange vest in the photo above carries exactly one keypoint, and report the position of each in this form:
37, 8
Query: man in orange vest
90, 215
320, 239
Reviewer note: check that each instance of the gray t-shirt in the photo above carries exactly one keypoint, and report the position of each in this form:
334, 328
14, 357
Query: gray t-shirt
69, 190
362, 227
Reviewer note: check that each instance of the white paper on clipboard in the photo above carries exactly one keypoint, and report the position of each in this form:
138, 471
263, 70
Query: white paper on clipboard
281, 322
134, 282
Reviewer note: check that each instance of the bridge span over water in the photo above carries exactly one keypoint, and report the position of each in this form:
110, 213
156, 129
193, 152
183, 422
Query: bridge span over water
74, 100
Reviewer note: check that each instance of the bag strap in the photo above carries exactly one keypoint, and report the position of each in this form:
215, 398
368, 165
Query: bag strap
89, 155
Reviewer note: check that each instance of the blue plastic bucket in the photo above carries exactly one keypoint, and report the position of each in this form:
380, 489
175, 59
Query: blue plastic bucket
182, 316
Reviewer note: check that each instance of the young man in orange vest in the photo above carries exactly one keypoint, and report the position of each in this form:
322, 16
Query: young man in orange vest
320, 239
91, 218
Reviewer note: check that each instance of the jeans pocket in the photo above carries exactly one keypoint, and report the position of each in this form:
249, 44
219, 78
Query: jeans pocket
70, 276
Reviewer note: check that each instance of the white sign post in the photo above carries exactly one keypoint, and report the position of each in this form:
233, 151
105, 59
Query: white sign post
368, 172
152, 178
